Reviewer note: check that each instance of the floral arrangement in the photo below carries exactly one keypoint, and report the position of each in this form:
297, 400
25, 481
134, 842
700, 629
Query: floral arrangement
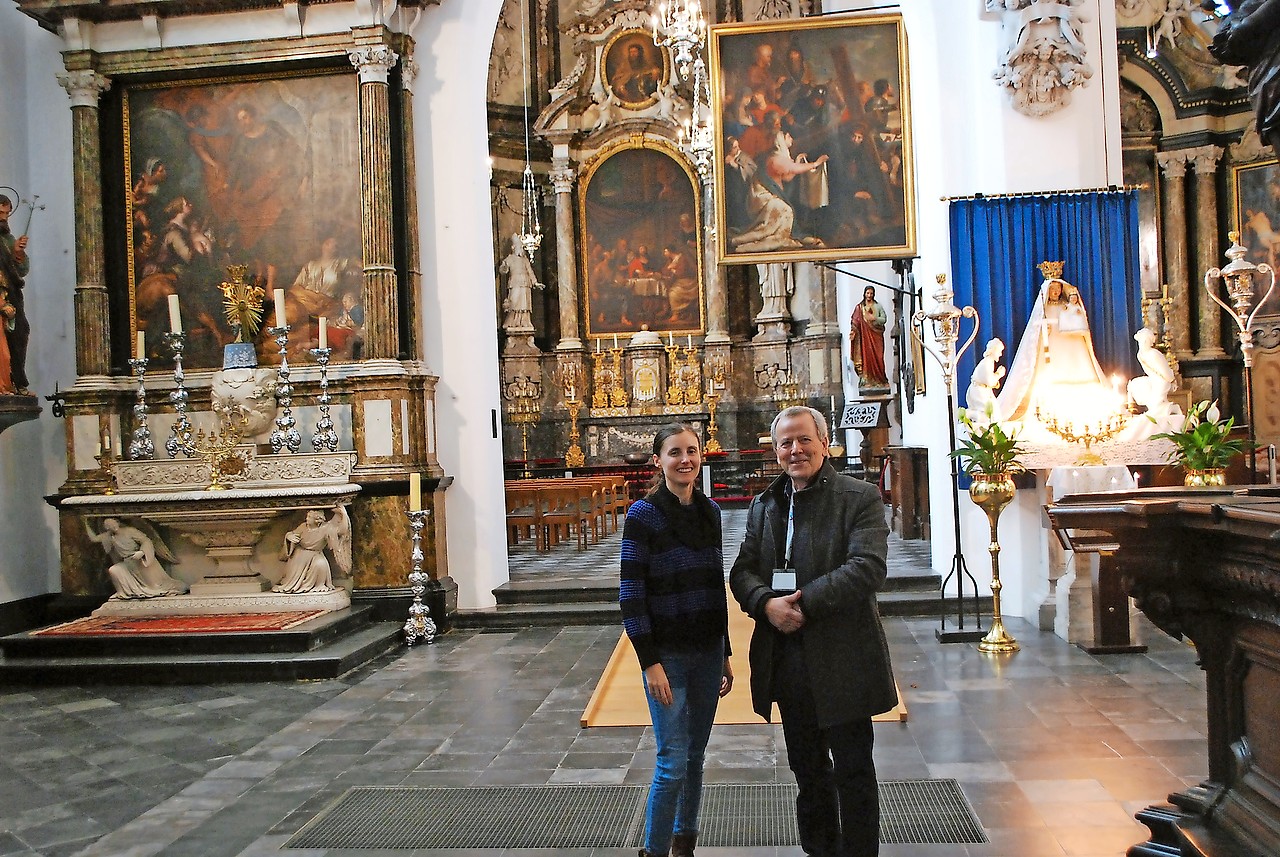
1204, 442
988, 449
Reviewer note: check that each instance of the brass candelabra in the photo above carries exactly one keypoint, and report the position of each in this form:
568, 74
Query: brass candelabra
227, 463
570, 381
608, 389
107, 464
1087, 433
524, 408
1161, 306
684, 382
713, 430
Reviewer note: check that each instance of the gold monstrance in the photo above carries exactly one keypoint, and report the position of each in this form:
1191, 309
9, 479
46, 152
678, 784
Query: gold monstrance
242, 303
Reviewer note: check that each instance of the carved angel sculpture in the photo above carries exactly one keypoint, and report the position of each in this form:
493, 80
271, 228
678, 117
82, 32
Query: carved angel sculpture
307, 569
135, 553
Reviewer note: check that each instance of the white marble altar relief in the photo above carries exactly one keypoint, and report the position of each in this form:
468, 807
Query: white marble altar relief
1045, 55
378, 441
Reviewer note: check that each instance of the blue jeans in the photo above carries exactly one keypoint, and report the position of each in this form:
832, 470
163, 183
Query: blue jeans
682, 730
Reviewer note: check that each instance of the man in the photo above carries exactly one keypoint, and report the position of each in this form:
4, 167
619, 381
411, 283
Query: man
14, 267
636, 80
808, 570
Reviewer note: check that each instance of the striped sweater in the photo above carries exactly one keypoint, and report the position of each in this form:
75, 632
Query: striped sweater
672, 590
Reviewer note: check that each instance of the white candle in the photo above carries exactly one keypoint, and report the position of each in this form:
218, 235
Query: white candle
106, 443
281, 317
175, 319
615, 340
117, 449
597, 346
688, 341
670, 340
142, 345
324, 332
415, 492
98, 454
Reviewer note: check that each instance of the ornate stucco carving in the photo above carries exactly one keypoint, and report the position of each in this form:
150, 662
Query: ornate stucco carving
1204, 159
1172, 164
84, 87
373, 62
1045, 57
1251, 148
1138, 114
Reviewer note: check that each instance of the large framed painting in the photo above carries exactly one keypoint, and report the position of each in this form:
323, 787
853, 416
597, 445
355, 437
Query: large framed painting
261, 171
640, 220
1256, 209
813, 148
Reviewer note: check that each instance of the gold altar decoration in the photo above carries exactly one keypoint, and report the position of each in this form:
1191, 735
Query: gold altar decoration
684, 375
1103, 427
992, 492
242, 303
227, 463
571, 380
1162, 307
781, 385
609, 394
713, 430
524, 408
106, 463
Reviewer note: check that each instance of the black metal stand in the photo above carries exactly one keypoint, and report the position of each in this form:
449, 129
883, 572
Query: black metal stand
959, 570
1248, 415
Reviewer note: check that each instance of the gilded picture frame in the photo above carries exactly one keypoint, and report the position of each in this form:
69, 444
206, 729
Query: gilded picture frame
255, 170
633, 69
640, 223
1255, 209
814, 158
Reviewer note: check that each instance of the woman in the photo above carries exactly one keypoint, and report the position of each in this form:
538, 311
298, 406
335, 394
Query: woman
674, 610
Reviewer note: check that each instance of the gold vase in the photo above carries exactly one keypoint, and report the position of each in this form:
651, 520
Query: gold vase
1210, 477
992, 492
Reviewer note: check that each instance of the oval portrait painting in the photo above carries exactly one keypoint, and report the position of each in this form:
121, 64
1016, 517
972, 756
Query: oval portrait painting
634, 68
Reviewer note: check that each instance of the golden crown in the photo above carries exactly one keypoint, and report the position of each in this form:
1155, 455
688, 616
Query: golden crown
1051, 270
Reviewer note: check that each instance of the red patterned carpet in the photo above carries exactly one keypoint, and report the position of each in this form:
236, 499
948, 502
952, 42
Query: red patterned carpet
93, 626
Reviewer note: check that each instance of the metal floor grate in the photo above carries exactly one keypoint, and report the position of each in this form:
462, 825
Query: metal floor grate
763, 815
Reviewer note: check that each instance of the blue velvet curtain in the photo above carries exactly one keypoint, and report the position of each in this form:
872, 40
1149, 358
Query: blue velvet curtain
996, 245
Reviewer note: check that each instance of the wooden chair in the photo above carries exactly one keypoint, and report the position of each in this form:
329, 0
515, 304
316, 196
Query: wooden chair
523, 515
562, 516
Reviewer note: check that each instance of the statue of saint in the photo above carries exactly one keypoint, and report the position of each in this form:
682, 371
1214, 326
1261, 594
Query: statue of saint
866, 341
521, 281
980, 397
135, 556
14, 267
307, 569
1151, 391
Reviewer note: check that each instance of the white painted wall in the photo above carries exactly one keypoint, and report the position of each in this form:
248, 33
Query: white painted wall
35, 157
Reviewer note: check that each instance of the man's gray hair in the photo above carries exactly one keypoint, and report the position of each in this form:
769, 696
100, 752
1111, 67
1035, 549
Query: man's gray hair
794, 411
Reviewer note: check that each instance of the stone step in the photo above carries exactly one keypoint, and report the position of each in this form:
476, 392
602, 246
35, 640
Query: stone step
329, 660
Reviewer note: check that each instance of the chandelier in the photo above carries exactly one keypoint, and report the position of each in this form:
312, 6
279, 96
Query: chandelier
530, 234
680, 27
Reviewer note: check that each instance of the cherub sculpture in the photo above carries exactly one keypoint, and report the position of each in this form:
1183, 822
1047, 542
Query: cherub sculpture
135, 553
307, 569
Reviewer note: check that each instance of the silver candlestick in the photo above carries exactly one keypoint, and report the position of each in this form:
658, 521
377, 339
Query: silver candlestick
419, 626
180, 434
140, 443
324, 437
285, 435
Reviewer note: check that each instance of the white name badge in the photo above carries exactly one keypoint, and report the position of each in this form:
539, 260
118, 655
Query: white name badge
784, 581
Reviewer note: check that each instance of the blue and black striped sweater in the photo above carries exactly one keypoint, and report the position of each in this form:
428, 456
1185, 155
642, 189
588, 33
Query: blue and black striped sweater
672, 588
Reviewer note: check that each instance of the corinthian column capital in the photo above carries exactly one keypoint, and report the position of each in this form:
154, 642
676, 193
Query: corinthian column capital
372, 62
1172, 164
84, 87
562, 175
1204, 159
408, 73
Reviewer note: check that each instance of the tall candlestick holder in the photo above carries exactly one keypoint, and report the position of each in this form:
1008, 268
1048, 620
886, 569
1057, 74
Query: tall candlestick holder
140, 443
107, 464
1238, 275
691, 376
945, 318
574, 456
324, 437
181, 436
524, 408
675, 379
713, 430
285, 435
1161, 307
419, 627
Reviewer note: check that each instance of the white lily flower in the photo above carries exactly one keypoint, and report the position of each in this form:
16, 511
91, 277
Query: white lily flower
1213, 414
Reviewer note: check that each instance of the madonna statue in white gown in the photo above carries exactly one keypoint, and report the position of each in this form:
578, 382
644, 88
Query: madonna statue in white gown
1055, 366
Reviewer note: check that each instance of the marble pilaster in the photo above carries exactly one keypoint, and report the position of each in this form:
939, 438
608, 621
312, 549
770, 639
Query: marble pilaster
413, 249
1173, 171
92, 313
1204, 161
373, 63
563, 175
717, 290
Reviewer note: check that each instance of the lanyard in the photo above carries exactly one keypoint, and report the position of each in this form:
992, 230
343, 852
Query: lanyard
791, 529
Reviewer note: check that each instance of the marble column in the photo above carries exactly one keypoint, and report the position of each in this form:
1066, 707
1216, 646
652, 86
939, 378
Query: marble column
1173, 169
1204, 161
413, 264
717, 289
92, 314
563, 175
822, 302
373, 63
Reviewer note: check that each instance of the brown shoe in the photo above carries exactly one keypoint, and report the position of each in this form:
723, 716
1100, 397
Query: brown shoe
682, 844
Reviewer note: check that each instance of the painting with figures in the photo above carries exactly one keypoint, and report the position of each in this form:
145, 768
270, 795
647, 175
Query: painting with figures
640, 234
1257, 210
813, 147
262, 172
